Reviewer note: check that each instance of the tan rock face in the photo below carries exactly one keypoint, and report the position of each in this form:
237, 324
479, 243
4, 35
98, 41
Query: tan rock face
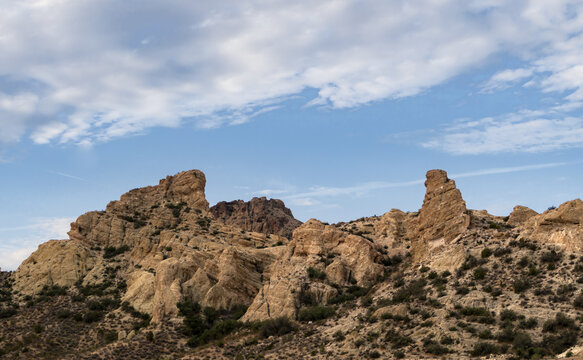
56, 262
174, 249
520, 214
442, 218
562, 226
343, 257
259, 215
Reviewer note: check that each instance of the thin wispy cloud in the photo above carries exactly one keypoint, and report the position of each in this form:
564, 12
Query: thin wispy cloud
525, 131
308, 198
222, 63
67, 175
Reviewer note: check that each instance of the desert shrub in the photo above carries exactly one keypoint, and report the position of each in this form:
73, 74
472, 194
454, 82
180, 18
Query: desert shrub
54, 290
399, 354
7, 312
374, 354
350, 293
508, 315
112, 251
556, 344
397, 340
64, 314
480, 273
484, 349
276, 327
307, 297
469, 263
531, 323
561, 322
507, 334
533, 271
431, 346
486, 252
521, 285
551, 256
339, 336
415, 289
217, 331
578, 302
477, 314
92, 316
315, 313
110, 336
498, 252
316, 274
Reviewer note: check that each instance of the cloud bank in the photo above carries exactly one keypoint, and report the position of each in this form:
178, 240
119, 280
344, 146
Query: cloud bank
89, 71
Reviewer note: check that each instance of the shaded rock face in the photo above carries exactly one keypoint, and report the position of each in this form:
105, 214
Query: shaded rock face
259, 215
442, 218
344, 258
562, 226
164, 243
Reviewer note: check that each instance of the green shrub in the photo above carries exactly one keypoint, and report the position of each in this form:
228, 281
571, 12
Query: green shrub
110, 336
578, 302
112, 251
434, 348
316, 274
480, 273
484, 349
521, 285
415, 289
339, 336
561, 322
315, 313
486, 252
276, 327
551, 256
508, 315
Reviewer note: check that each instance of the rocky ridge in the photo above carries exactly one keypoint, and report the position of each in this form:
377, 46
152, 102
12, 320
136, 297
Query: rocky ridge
268, 216
161, 245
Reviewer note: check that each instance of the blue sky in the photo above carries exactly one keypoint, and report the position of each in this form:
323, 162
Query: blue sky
337, 107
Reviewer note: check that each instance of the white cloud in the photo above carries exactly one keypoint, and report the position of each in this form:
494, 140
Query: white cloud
96, 70
525, 131
506, 78
18, 242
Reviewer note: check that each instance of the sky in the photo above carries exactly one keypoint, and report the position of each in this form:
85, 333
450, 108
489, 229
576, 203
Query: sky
336, 107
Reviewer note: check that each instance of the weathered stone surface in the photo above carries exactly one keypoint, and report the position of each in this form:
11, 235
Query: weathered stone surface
442, 218
259, 215
56, 262
562, 226
173, 249
345, 259
520, 214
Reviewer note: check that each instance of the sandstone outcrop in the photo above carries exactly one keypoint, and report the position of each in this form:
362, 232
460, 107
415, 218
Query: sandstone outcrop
56, 262
562, 226
442, 218
343, 258
520, 214
163, 242
269, 216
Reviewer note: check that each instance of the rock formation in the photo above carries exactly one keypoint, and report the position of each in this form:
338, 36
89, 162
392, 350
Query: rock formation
163, 242
520, 214
442, 218
259, 215
344, 259
562, 226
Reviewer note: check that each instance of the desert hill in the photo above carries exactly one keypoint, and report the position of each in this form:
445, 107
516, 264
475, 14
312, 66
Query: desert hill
159, 274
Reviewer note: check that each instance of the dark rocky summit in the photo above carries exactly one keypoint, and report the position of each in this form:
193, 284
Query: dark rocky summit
268, 216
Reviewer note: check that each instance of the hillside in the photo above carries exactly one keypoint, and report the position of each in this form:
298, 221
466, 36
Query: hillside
160, 275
